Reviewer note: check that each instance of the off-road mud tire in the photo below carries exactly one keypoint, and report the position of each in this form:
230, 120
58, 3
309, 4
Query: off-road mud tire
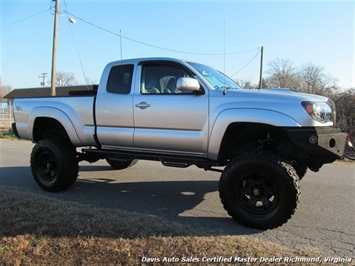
259, 189
54, 164
301, 170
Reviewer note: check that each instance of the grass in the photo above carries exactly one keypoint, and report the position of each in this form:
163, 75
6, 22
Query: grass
9, 135
39, 230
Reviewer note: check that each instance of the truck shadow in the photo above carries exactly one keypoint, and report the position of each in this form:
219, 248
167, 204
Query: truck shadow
195, 204
192, 204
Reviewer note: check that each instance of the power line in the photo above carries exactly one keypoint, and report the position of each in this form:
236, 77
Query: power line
152, 45
130, 39
137, 41
246, 64
18, 21
76, 46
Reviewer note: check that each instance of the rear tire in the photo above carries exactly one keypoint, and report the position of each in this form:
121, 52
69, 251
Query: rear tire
120, 165
259, 189
54, 164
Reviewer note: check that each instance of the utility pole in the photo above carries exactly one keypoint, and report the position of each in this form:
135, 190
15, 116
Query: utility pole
43, 77
54, 51
1, 93
261, 68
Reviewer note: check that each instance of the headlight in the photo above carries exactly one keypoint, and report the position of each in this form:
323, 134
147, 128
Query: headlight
322, 112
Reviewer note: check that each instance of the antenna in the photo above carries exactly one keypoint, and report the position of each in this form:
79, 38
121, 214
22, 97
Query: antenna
121, 43
224, 57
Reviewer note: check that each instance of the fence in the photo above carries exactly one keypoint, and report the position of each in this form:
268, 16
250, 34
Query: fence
6, 118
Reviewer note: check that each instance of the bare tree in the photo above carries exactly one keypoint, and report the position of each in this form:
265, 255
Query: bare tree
5, 89
283, 74
246, 84
65, 79
313, 78
345, 106
90, 81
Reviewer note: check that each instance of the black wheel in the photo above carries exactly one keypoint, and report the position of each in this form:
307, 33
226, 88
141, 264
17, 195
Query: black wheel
54, 164
259, 189
120, 165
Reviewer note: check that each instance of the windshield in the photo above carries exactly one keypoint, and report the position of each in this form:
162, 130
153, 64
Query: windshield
217, 79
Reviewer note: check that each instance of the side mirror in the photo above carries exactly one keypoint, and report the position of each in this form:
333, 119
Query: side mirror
188, 85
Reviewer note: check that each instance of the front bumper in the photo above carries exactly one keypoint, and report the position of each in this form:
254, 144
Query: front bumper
323, 144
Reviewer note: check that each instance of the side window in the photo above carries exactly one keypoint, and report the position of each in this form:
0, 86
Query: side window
160, 78
120, 79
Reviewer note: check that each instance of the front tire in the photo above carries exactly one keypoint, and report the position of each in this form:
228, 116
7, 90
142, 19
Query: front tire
301, 169
259, 189
54, 164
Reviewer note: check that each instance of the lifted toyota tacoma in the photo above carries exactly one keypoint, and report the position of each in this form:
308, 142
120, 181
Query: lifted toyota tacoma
184, 113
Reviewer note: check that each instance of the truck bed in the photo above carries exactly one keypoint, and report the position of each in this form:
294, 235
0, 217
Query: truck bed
77, 90
75, 110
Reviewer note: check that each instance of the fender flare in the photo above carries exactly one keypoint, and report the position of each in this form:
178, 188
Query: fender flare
245, 115
56, 114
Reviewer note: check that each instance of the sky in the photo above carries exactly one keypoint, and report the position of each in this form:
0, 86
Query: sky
226, 35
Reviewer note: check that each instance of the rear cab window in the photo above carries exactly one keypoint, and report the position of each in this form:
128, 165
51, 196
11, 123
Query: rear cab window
120, 79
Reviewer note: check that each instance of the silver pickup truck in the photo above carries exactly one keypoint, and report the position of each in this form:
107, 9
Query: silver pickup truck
183, 113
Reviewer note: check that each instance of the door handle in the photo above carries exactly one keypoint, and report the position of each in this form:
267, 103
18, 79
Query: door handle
142, 105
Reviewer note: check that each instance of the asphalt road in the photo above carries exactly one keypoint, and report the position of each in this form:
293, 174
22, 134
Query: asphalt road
324, 218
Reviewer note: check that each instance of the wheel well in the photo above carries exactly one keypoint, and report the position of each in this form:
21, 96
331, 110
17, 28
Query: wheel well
45, 128
240, 136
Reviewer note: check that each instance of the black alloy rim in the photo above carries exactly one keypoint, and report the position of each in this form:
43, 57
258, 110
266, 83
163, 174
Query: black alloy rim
47, 166
257, 194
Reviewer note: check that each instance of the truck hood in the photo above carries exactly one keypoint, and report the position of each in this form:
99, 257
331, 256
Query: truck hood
282, 101
276, 94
